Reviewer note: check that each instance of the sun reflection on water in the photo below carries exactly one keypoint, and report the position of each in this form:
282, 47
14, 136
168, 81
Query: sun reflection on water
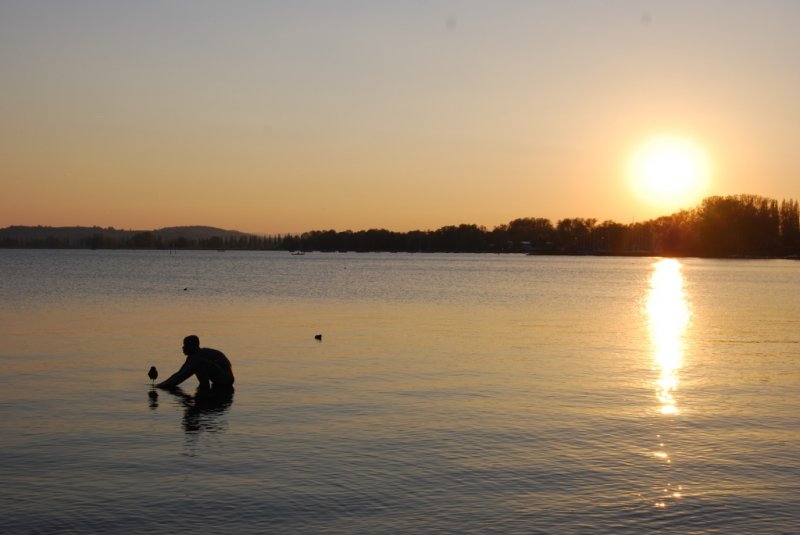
668, 317
668, 314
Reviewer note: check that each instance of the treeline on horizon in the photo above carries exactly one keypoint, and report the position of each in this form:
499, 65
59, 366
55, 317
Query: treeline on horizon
729, 226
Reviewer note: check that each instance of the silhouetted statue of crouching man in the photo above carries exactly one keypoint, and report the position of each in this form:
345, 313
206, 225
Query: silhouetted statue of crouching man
212, 367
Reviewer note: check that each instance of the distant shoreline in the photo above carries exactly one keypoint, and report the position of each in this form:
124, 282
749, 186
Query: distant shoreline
573, 255
739, 226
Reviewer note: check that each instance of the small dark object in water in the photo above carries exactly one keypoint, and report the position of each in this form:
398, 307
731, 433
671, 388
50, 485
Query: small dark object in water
153, 373
185, 289
318, 337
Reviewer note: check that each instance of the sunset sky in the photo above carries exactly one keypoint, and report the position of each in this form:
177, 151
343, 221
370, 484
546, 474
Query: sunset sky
274, 117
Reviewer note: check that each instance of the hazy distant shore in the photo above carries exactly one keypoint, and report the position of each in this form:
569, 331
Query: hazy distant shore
741, 226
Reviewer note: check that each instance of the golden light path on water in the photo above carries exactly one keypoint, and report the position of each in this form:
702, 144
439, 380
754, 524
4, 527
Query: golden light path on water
668, 314
668, 317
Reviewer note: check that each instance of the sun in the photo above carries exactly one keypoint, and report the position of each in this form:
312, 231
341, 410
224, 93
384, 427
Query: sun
670, 172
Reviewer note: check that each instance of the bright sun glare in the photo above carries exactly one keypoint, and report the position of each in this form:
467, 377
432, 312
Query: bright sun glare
670, 172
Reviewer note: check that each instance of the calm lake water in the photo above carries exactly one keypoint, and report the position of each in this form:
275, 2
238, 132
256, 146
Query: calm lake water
449, 394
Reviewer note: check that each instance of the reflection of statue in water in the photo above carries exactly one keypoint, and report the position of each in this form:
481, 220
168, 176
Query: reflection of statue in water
203, 410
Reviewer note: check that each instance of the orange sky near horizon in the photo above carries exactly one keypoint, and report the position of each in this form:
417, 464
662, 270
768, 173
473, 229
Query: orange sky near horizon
275, 117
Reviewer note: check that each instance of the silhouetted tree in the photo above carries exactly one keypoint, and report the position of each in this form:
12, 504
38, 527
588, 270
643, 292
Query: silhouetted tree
535, 231
574, 235
671, 235
739, 225
144, 240
790, 227
609, 238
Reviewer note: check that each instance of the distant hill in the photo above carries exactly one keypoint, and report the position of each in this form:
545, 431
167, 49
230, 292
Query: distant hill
39, 236
197, 233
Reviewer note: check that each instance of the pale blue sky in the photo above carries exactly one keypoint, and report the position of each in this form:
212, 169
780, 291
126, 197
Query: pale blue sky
291, 116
